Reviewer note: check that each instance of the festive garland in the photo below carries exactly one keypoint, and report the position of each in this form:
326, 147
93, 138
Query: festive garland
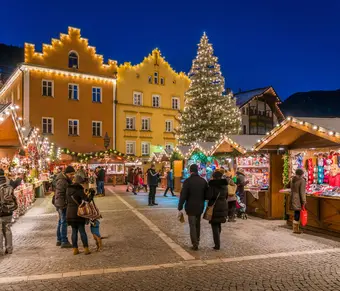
99, 154
285, 181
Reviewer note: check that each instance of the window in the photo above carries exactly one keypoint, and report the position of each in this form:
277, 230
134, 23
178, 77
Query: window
145, 149
96, 94
243, 110
47, 125
47, 88
244, 129
168, 126
73, 60
73, 127
130, 123
145, 123
155, 78
162, 81
130, 147
150, 79
96, 128
175, 103
169, 146
73, 92
156, 101
137, 98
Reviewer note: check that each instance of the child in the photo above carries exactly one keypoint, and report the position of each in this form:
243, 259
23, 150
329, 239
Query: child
94, 226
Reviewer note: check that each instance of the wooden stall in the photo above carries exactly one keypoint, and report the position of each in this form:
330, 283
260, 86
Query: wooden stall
310, 145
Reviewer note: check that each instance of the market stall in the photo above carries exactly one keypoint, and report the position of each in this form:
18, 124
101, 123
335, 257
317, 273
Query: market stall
312, 144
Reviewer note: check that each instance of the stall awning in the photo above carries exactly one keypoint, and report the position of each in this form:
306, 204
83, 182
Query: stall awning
302, 133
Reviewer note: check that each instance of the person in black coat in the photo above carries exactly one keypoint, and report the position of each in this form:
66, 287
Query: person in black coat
218, 194
153, 177
193, 195
75, 195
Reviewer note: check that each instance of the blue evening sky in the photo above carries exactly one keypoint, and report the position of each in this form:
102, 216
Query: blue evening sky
291, 45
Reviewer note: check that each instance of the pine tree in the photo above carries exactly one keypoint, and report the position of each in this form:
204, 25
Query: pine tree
208, 114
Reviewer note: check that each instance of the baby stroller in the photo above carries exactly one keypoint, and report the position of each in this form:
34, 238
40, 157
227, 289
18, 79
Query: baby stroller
241, 208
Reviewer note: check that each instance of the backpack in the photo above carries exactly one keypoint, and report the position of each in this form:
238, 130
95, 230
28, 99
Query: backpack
8, 202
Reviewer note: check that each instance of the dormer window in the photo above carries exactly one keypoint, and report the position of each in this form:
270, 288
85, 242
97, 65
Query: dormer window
155, 78
73, 60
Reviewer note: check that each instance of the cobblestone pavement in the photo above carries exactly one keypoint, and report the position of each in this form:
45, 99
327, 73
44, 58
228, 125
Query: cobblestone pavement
147, 249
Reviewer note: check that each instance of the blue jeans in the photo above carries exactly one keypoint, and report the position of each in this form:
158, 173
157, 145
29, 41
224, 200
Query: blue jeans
62, 226
100, 187
83, 236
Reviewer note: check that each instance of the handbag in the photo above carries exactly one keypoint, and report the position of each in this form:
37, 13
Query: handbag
232, 190
87, 209
209, 211
303, 216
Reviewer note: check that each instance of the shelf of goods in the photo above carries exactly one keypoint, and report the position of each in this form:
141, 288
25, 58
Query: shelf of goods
260, 198
114, 172
25, 197
322, 176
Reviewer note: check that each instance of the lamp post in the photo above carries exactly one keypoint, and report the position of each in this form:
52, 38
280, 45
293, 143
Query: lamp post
107, 140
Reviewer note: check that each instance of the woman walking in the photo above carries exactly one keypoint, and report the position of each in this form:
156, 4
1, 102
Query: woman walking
218, 193
75, 195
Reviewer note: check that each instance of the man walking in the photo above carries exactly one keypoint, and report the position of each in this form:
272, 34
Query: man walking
8, 203
153, 177
60, 202
193, 194
100, 181
170, 183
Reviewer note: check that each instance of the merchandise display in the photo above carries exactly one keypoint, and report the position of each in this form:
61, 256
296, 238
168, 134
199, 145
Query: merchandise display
25, 197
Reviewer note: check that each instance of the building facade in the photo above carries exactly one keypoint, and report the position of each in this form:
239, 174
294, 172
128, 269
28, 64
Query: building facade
66, 91
260, 111
150, 96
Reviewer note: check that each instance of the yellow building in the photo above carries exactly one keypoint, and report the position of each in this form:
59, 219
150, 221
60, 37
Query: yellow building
149, 98
66, 91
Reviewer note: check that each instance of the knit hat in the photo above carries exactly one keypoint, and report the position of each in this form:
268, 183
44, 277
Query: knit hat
69, 169
194, 168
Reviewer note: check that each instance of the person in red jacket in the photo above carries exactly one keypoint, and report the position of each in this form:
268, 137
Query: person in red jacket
135, 181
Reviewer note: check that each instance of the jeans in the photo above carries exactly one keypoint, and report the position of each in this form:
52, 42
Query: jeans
152, 193
6, 233
195, 229
297, 215
171, 190
100, 187
62, 226
79, 227
216, 229
231, 208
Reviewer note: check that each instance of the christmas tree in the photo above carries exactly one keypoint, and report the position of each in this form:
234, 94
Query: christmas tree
208, 114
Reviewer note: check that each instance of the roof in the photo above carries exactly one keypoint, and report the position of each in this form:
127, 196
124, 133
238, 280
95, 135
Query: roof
246, 141
332, 124
244, 97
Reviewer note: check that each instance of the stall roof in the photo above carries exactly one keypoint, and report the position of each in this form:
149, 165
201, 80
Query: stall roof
302, 133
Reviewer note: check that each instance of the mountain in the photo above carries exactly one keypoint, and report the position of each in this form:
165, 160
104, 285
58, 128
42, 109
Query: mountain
312, 104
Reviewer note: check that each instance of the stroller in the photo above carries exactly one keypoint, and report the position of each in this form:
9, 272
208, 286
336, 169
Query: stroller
241, 208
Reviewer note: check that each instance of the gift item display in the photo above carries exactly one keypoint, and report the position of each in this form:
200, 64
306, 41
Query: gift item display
25, 197
256, 169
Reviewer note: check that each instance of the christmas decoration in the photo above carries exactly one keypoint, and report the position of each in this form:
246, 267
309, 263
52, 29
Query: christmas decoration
84, 157
208, 114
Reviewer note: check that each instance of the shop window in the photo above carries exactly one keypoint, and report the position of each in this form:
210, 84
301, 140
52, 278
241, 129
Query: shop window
73, 127
47, 125
137, 98
130, 147
130, 123
96, 94
175, 103
73, 60
145, 149
146, 123
168, 126
47, 88
73, 91
156, 101
96, 128
155, 78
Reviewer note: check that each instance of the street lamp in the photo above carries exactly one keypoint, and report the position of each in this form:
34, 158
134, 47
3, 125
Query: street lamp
107, 140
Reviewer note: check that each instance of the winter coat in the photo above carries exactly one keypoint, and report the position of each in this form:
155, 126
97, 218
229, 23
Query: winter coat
60, 199
218, 188
230, 182
240, 182
101, 175
77, 192
152, 177
170, 180
6, 192
193, 194
130, 177
136, 179
298, 192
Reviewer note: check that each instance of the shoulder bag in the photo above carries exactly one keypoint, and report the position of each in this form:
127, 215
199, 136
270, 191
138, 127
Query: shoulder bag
208, 214
87, 209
